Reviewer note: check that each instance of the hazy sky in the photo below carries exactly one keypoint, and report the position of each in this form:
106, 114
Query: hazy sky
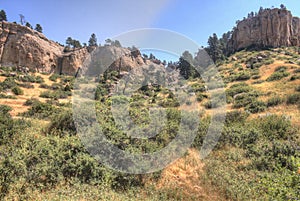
196, 19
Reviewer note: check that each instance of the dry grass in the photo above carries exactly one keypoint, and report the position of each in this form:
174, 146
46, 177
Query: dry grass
185, 174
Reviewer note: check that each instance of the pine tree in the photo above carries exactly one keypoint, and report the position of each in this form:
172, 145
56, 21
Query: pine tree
93, 40
38, 28
69, 41
186, 65
214, 48
3, 16
28, 25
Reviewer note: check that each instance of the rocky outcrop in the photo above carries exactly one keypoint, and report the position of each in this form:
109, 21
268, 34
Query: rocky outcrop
270, 28
114, 58
21, 46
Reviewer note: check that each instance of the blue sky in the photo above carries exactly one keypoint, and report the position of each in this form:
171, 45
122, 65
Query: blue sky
196, 19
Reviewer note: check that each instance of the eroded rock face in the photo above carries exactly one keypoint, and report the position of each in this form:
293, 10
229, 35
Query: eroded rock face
21, 46
270, 28
114, 58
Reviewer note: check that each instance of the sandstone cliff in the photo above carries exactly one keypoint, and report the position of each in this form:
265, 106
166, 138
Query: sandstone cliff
21, 46
270, 28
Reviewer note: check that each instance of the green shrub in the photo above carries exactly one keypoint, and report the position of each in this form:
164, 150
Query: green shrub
295, 77
255, 77
54, 77
31, 101
41, 110
238, 88
236, 116
274, 101
293, 98
278, 75
26, 85
8, 83
62, 123
17, 91
244, 99
4, 109
58, 94
256, 107
7, 96
201, 97
196, 87
241, 76
276, 127
269, 61
31, 78
280, 69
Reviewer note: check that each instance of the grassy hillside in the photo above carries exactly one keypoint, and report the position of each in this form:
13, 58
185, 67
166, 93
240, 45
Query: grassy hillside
257, 156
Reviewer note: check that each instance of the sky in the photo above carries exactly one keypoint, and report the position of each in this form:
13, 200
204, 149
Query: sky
194, 19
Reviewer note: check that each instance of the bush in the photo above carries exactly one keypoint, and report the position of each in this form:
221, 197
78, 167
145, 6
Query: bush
237, 89
241, 76
59, 94
276, 127
201, 97
255, 77
17, 91
280, 69
236, 116
31, 78
8, 83
41, 110
54, 77
62, 123
295, 77
293, 98
274, 101
278, 75
256, 107
244, 99
31, 101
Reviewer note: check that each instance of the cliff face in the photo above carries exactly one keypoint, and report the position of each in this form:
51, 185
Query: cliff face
270, 28
21, 46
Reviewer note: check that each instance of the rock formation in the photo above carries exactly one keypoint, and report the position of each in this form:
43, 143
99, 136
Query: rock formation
21, 46
270, 28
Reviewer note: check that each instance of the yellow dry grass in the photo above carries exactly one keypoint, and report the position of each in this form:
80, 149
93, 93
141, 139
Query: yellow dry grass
185, 174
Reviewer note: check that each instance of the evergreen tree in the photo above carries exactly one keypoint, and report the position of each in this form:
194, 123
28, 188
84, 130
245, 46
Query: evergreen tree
93, 40
214, 48
186, 65
283, 7
117, 43
76, 44
28, 25
38, 28
69, 41
3, 16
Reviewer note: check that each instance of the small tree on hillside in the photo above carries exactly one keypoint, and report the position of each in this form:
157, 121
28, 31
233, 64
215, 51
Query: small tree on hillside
117, 43
28, 25
93, 40
69, 41
3, 16
282, 6
38, 28
214, 48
